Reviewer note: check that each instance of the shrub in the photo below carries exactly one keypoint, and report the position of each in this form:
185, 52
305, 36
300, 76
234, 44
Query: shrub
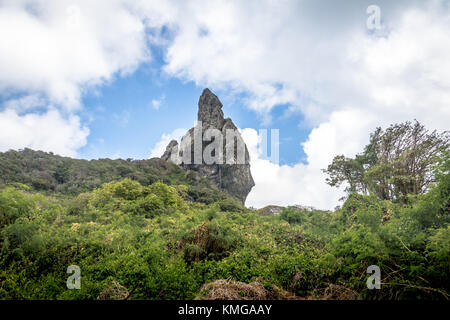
208, 240
292, 215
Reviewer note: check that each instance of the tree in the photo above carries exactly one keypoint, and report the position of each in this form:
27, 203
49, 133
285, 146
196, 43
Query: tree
396, 162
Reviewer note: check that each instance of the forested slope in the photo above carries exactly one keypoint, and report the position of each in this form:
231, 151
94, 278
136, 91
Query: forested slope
149, 230
51, 173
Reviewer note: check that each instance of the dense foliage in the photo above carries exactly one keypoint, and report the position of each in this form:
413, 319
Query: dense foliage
160, 233
397, 162
52, 174
151, 240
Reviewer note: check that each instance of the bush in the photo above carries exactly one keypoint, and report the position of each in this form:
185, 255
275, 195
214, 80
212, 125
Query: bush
292, 215
231, 205
149, 243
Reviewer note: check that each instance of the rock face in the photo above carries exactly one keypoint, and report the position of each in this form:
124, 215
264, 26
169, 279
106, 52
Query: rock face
214, 138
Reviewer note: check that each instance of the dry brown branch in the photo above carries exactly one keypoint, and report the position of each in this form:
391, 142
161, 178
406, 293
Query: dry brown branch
228, 289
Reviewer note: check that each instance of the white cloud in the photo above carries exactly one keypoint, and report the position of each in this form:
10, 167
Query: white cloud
301, 183
51, 52
318, 58
160, 146
315, 56
286, 185
49, 131
156, 103
59, 48
25, 103
322, 61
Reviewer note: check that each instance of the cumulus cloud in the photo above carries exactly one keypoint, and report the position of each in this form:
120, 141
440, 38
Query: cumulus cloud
51, 52
321, 60
58, 48
156, 103
304, 183
49, 131
161, 145
25, 103
318, 57
284, 184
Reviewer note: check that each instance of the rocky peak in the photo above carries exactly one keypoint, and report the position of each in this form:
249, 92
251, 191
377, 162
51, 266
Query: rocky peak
235, 178
172, 147
210, 110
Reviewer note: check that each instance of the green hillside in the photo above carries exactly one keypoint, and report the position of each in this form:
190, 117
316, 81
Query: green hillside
53, 174
149, 230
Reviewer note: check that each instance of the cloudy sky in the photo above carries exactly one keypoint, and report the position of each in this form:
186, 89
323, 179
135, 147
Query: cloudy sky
119, 79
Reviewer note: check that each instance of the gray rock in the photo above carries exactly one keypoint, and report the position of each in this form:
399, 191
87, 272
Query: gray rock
270, 210
236, 179
210, 110
172, 147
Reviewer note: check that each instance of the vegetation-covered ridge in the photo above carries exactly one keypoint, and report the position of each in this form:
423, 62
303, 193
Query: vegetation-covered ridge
53, 174
140, 239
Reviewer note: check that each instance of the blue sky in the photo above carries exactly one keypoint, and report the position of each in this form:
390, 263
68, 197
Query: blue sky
82, 78
124, 124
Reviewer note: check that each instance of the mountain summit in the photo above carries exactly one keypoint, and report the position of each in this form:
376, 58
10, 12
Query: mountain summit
210, 110
214, 148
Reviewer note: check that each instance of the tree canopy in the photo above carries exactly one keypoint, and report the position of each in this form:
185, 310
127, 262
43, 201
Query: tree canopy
397, 161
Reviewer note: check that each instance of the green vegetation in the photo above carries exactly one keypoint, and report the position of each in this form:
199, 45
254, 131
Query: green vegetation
396, 162
52, 174
159, 232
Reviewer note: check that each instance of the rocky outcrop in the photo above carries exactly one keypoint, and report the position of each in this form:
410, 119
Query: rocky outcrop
171, 147
214, 149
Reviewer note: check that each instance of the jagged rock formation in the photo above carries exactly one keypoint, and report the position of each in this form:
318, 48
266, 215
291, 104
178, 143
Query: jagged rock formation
231, 170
